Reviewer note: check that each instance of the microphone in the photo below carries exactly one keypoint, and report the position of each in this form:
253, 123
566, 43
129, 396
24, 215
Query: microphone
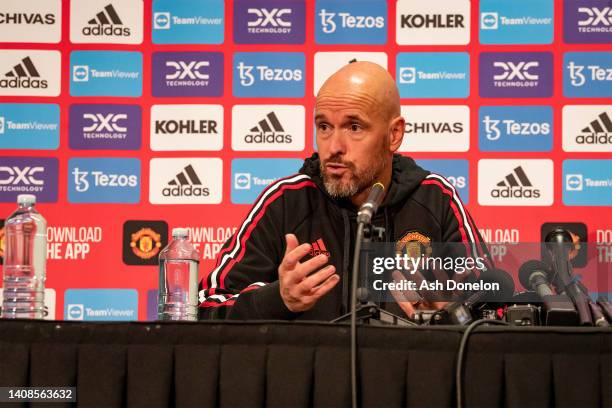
368, 209
506, 288
534, 276
558, 310
558, 243
463, 312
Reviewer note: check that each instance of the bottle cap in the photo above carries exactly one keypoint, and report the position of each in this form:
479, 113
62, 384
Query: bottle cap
26, 199
180, 232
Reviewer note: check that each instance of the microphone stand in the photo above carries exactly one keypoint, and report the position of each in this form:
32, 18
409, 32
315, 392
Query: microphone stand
367, 311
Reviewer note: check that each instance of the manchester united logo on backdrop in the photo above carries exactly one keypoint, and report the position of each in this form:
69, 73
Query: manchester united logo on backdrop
145, 243
143, 240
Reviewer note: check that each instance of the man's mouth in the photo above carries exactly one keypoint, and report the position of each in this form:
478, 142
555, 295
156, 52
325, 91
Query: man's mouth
336, 169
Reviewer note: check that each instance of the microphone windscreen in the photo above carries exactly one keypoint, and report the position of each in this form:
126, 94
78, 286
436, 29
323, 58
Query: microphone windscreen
527, 269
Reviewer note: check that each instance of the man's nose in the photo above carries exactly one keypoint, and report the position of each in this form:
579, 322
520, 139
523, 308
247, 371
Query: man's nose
337, 143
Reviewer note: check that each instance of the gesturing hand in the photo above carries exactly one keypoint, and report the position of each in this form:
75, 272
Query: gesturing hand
302, 284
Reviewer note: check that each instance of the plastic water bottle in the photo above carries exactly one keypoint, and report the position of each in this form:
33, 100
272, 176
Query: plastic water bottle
25, 258
178, 279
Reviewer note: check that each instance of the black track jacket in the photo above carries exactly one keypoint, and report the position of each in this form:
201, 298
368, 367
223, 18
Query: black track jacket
244, 283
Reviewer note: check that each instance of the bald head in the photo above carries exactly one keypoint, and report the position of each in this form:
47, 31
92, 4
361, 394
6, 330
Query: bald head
367, 84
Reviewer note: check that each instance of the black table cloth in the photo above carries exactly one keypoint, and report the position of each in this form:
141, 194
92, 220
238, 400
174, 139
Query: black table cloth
280, 364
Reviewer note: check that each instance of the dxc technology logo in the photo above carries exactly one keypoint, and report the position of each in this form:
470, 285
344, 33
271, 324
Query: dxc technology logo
269, 74
104, 180
106, 73
587, 21
28, 175
188, 22
516, 74
251, 176
187, 74
587, 74
350, 22
115, 127
515, 128
433, 74
269, 22
516, 22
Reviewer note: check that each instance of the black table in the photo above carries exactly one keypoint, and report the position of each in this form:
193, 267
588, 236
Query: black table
304, 364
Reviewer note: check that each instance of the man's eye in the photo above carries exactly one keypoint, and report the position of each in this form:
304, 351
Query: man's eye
355, 127
323, 126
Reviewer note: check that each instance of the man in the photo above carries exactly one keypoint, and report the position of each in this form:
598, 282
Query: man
292, 256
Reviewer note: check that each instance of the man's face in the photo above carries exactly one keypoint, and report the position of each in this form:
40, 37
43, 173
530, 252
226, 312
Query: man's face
353, 144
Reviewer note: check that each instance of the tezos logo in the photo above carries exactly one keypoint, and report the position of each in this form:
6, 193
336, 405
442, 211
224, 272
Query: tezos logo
347, 20
269, 74
98, 179
596, 73
265, 73
494, 127
103, 180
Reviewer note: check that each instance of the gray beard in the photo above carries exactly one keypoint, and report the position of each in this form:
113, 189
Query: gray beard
357, 184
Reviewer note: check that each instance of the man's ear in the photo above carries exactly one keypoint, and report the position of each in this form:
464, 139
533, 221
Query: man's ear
396, 133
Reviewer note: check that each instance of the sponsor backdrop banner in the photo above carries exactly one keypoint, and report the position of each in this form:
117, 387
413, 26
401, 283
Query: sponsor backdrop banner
128, 118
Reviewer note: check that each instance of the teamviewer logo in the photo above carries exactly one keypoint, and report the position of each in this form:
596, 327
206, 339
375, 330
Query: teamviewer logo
161, 21
75, 311
242, 181
489, 21
80, 73
1, 125
407, 75
573, 182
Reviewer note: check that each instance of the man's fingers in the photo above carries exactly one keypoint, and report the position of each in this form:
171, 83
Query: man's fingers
317, 278
292, 258
311, 265
325, 287
292, 243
